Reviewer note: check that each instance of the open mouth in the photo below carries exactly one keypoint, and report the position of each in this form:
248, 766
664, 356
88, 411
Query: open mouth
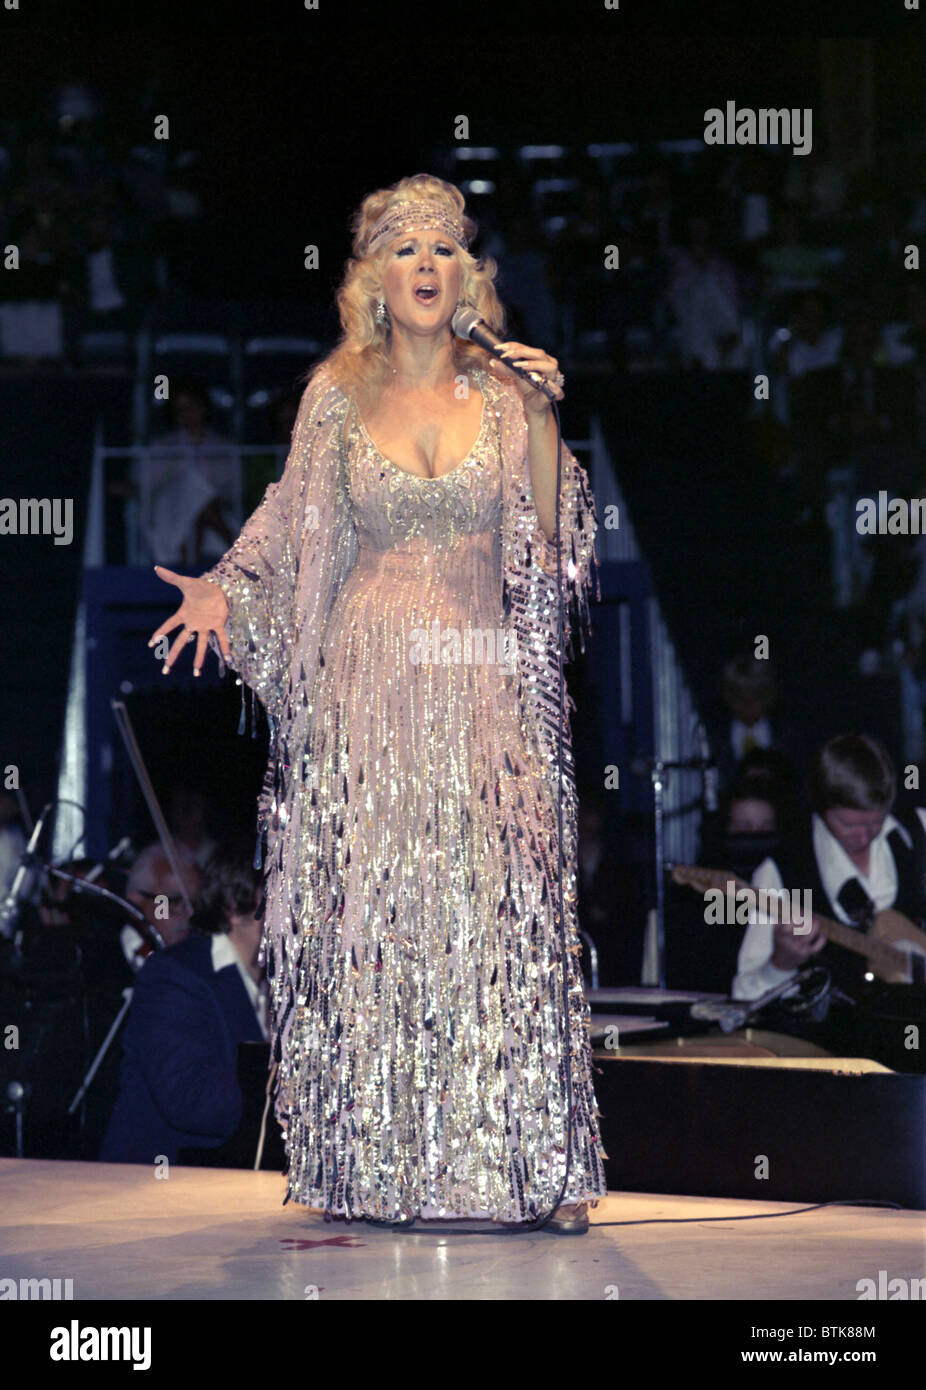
426, 294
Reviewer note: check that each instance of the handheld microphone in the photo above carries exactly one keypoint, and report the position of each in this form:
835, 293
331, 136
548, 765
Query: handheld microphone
467, 323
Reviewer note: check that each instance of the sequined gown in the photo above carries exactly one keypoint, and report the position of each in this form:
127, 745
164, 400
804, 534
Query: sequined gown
424, 1054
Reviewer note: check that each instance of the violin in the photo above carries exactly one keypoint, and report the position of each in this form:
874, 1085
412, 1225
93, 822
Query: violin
85, 897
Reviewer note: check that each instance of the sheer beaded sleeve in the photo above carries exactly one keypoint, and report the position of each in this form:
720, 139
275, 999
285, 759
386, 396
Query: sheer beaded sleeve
577, 538
531, 595
281, 574
257, 578
529, 556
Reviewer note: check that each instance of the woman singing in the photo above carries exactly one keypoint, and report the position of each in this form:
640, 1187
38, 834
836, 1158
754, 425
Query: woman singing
392, 602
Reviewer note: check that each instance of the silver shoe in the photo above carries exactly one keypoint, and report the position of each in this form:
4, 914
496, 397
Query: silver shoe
574, 1225
407, 1218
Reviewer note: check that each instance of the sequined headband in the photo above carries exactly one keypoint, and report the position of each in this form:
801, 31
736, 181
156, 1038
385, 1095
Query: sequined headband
402, 216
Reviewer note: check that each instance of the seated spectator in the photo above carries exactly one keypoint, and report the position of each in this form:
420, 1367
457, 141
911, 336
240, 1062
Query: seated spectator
809, 342
789, 262
193, 1004
755, 202
107, 285
191, 490
743, 833
188, 819
703, 295
746, 830
772, 772
749, 689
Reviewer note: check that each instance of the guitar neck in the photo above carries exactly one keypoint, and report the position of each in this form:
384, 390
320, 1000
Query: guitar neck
851, 938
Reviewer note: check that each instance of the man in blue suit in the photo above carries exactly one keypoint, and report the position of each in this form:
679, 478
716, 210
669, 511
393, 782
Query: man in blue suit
193, 1004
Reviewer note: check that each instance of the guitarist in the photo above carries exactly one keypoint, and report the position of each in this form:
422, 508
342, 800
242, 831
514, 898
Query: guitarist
857, 856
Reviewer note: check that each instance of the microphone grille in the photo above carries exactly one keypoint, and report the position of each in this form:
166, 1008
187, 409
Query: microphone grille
464, 320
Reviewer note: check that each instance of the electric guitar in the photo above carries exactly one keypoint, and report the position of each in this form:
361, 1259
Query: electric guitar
894, 947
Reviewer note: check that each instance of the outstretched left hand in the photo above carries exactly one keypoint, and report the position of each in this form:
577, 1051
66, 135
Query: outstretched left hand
535, 360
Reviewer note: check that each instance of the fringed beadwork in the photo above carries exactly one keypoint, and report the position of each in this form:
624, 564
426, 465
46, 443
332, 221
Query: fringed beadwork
409, 818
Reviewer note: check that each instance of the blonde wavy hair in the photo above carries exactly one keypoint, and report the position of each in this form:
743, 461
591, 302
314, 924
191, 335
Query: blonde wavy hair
360, 361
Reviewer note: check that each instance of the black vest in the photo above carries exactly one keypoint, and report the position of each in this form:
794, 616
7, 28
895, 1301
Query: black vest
798, 868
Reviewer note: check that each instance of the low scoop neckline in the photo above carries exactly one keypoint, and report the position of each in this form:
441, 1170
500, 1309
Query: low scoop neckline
422, 477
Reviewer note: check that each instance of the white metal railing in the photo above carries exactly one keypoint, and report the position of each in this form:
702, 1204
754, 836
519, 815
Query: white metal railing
150, 466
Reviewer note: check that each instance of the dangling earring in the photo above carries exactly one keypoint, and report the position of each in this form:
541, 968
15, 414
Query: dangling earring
381, 311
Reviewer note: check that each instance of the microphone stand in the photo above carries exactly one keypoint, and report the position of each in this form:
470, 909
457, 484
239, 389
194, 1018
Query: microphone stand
127, 996
658, 783
656, 768
17, 1093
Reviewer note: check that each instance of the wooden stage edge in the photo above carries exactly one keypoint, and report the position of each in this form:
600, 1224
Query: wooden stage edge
117, 1232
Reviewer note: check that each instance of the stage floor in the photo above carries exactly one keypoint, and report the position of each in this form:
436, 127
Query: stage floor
211, 1233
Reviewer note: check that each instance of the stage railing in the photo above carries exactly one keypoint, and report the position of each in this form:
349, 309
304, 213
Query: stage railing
137, 491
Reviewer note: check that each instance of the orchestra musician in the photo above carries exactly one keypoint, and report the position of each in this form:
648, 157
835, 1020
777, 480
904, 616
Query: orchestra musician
859, 856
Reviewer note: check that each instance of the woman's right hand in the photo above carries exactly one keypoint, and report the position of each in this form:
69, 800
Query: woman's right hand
204, 609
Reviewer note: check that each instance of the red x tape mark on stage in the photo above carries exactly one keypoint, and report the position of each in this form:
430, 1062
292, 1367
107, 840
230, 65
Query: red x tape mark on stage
348, 1242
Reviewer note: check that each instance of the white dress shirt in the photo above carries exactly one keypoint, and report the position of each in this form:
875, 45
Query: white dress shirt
807, 357
755, 972
224, 952
132, 943
760, 733
104, 293
178, 478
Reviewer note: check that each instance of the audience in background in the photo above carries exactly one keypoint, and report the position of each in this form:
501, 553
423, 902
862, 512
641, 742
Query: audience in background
749, 690
106, 284
704, 298
190, 485
188, 819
